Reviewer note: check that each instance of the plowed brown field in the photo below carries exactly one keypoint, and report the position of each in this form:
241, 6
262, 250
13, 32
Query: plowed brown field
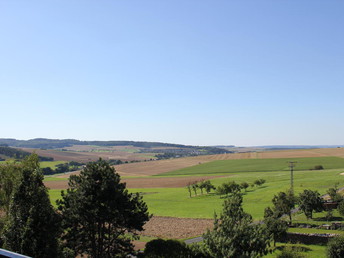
168, 227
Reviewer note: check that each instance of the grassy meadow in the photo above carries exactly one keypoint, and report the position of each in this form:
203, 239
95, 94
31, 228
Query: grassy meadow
175, 202
258, 165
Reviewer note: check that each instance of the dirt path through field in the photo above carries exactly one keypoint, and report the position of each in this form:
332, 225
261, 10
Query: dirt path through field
159, 182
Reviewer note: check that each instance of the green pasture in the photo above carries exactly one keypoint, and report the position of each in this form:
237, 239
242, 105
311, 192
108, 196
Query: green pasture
258, 165
54, 194
175, 202
51, 164
52, 178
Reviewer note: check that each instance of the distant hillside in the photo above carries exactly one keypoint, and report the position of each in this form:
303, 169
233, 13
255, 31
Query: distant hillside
55, 143
8, 152
165, 150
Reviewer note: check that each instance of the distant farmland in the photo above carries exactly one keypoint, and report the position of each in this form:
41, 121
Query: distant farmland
163, 166
258, 165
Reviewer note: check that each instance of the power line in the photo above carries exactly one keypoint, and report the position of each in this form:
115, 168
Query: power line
291, 166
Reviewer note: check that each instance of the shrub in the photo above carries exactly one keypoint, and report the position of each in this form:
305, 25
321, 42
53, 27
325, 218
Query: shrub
318, 167
291, 252
335, 247
166, 248
340, 208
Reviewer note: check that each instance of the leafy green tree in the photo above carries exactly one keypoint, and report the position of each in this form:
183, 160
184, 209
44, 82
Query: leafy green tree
9, 178
234, 234
244, 185
259, 182
334, 195
208, 186
100, 216
310, 201
340, 208
188, 186
283, 204
194, 187
228, 188
335, 247
33, 225
276, 227
201, 185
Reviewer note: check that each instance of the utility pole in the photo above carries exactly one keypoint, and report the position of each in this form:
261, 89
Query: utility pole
291, 166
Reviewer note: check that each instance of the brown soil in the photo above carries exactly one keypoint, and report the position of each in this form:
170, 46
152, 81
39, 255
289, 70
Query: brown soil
168, 227
165, 182
138, 245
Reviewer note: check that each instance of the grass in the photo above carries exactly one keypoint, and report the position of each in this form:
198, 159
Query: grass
309, 251
52, 178
315, 230
258, 165
175, 202
318, 218
54, 194
51, 164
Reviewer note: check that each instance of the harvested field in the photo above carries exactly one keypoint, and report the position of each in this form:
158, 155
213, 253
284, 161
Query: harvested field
161, 166
165, 182
88, 156
168, 227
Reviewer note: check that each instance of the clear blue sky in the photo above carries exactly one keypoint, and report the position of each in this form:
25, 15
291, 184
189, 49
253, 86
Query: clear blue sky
192, 72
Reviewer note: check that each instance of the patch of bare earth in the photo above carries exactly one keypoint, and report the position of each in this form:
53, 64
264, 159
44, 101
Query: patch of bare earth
160, 182
168, 227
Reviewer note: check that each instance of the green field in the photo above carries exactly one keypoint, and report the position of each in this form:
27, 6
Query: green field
258, 165
51, 164
175, 202
52, 178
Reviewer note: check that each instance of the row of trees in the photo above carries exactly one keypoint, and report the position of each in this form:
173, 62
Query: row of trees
226, 188
200, 185
96, 216
229, 188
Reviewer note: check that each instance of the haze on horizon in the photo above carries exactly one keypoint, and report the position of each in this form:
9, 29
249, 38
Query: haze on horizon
189, 72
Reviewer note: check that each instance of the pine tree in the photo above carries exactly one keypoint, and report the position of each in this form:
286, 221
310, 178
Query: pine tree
100, 217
